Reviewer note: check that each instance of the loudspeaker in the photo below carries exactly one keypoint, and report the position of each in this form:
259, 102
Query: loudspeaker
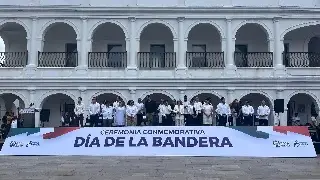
279, 106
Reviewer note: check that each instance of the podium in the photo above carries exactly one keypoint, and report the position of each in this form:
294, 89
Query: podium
28, 116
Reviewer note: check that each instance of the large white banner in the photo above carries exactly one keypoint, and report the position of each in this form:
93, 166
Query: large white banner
162, 141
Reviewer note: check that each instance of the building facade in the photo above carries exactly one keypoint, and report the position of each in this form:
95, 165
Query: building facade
238, 49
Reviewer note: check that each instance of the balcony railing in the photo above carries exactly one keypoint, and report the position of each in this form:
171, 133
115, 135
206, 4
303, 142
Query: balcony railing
57, 59
301, 59
205, 59
107, 59
253, 59
13, 59
157, 60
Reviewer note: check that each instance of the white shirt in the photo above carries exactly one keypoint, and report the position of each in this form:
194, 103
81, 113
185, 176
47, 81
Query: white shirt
198, 106
179, 109
94, 108
79, 109
207, 109
186, 104
107, 112
131, 111
247, 110
140, 107
14, 124
164, 110
263, 112
115, 104
223, 109
190, 109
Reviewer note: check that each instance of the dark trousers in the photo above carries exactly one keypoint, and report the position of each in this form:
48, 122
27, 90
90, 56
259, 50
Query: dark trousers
222, 120
230, 120
140, 119
192, 121
167, 120
248, 120
107, 122
94, 120
199, 120
79, 120
263, 122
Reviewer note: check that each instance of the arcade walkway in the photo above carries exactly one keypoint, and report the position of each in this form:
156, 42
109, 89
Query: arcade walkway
152, 168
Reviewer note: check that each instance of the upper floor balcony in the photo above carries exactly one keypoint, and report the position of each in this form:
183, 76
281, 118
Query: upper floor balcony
158, 49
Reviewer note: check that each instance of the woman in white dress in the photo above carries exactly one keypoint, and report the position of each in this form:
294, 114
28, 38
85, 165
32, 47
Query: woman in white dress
131, 112
179, 111
120, 114
207, 109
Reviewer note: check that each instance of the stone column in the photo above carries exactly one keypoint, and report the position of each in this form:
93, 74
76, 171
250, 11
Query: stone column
230, 43
278, 49
32, 49
32, 92
85, 100
282, 116
181, 45
37, 117
133, 94
182, 93
132, 47
230, 95
84, 44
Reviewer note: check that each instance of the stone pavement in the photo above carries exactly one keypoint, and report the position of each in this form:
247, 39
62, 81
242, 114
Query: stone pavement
152, 168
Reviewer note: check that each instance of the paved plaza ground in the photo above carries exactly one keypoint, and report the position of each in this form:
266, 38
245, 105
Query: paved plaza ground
151, 168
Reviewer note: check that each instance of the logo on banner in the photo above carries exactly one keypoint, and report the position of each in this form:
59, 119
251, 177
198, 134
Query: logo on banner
20, 144
279, 144
300, 144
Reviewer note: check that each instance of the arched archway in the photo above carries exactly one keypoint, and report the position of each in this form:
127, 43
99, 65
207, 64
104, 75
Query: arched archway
255, 100
110, 97
156, 47
252, 46
108, 46
303, 104
13, 48
53, 106
158, 97
214, 99
300, 44
204, 46
314, 50
60, 46
10, 102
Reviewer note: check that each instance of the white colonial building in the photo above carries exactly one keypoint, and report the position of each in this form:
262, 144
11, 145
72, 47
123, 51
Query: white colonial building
56, 51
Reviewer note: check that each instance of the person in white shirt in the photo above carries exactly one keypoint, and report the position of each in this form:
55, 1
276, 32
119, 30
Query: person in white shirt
198, 109
116, 103
185, 105
165, 112
192, 115
179, 112
94, 111
247, 112
140, 113
223, 112
207, 110
131, 112
107, 112
79, 111
160, 107
263, 113
119, 116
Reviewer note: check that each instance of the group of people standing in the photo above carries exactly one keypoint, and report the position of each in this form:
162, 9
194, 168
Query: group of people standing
178, 113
